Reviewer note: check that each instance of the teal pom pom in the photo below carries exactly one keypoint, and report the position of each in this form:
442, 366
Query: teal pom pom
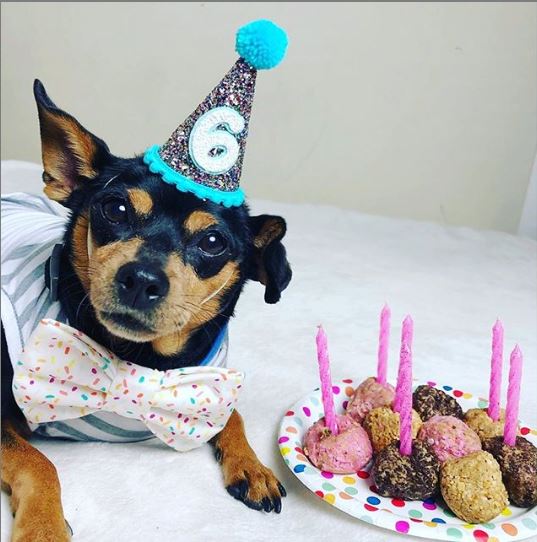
262, 44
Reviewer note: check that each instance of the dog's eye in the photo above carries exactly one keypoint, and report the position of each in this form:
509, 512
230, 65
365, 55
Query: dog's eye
212, 244
115, 210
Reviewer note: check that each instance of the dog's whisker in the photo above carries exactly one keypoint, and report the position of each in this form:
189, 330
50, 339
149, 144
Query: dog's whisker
109, 181
80, 306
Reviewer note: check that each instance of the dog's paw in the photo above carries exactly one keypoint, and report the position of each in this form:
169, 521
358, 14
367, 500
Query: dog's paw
33, 524
249, 481
42, 533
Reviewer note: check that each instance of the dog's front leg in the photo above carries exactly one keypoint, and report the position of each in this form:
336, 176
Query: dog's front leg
245, 477
35, 491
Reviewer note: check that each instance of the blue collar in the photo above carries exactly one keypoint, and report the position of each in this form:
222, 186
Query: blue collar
215, 347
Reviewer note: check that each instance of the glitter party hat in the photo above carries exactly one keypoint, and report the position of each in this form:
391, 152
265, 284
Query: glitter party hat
204, 154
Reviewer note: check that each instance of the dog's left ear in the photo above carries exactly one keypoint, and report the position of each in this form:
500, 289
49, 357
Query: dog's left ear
72, 155
270, 266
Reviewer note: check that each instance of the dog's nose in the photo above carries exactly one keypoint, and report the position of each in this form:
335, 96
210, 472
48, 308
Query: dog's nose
141, 286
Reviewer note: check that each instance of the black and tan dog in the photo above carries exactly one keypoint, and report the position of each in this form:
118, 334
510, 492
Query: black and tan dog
151, 273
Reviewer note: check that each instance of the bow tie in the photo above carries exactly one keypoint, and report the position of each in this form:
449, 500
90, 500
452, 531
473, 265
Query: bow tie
63, 374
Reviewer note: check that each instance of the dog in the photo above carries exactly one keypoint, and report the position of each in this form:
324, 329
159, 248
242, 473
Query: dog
152, 274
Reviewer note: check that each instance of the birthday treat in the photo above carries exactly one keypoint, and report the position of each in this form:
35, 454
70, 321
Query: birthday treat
375, 392
518, 465
406, 469
409, 477
429, 402
490, 422
516, 456
347, 452
382, 426
472, 487
414, 460
449, 437
334, 443
356, 494
369, 395
479, 421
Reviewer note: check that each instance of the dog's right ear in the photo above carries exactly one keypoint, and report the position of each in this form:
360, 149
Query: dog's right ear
72, 156
270, 266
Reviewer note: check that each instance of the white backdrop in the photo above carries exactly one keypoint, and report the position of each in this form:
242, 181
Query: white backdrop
422, 110
528, 220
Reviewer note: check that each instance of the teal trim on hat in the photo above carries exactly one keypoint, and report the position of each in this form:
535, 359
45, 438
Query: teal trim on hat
157, 165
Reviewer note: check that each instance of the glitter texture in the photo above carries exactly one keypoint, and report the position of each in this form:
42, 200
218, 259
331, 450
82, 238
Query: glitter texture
235, 90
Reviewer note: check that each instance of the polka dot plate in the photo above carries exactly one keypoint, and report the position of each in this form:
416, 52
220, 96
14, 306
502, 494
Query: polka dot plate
355, 493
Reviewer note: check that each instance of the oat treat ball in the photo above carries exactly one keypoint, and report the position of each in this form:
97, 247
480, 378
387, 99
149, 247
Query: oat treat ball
479, 420
428, 402
382, 426
412, 477
368, 395
472, 487
348, 451
519, 468
449, 437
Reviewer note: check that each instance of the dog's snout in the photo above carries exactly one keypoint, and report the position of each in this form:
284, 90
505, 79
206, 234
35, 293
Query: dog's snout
141, 286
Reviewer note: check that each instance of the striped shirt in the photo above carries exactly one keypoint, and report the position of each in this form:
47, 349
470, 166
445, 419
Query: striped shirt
31, 226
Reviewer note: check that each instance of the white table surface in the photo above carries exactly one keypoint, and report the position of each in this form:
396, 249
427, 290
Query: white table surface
453, 281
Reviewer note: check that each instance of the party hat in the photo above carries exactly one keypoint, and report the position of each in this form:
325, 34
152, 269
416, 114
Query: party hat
204, 154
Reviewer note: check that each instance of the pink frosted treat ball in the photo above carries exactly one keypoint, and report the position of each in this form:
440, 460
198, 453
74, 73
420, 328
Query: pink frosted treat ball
344, 453
369, 395
449, 437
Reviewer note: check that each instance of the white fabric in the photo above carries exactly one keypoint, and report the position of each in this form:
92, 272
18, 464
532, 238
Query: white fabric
453, 281
63, 374
31, 226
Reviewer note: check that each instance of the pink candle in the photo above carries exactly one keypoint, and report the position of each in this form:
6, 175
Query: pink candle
513, 397
405, 388
496, 371
384, 338
406, 337
326, 382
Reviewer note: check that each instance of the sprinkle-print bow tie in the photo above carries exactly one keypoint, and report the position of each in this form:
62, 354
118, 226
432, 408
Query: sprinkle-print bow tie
63, 374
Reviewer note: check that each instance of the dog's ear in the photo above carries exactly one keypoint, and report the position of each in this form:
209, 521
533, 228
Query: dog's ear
269, 266
72, 156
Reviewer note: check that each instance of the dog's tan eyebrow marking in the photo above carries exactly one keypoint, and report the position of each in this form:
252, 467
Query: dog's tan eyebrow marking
141, 201
198, 221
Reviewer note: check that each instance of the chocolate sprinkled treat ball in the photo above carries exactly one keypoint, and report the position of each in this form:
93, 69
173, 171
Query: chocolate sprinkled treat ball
479, 420
472, 487
382, 426
428, 402
414, 477
519, 468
